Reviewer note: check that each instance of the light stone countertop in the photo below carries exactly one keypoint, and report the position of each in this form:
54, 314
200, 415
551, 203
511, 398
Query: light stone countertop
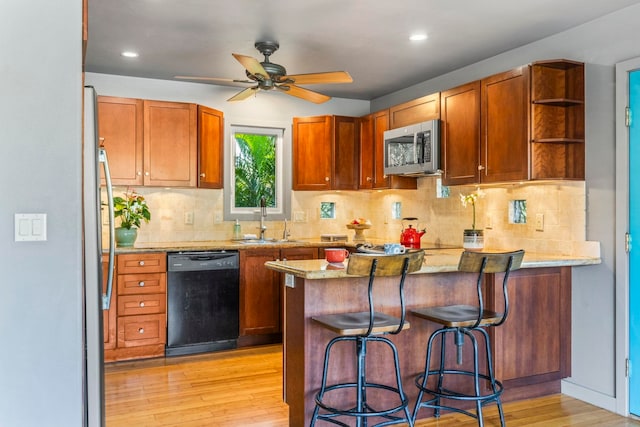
435, 261
218, 245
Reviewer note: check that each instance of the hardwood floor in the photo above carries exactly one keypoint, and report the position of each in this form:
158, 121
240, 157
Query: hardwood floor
243, 388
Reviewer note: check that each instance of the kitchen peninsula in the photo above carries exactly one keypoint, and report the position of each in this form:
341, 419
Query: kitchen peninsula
539, 321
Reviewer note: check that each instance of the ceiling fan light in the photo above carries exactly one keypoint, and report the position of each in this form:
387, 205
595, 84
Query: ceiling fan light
417, 37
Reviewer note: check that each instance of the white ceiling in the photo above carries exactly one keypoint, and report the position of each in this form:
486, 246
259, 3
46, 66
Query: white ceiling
367, 38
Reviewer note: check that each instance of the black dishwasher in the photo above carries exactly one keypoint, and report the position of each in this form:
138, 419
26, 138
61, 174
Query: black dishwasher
202, 301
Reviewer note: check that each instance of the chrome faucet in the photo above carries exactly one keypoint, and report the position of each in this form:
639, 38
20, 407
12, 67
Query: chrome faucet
263, 216
285, 233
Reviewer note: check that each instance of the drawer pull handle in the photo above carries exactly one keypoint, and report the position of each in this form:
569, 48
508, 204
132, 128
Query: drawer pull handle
141, 303
141, 330
141, 283
141, 263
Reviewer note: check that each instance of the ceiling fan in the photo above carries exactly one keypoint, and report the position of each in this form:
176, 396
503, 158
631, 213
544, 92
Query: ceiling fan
269, 75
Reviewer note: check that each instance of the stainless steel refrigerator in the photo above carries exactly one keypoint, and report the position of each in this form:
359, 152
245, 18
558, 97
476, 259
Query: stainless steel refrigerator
95, 300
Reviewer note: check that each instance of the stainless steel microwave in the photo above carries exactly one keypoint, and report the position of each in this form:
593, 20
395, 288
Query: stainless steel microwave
413, 150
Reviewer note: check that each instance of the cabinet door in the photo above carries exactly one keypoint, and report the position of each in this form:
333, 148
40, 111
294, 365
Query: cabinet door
312, 149
210, 147
460, 134
259, 293
415, 111
367, 153
298, 253
537, 332
345, 153
505, 126
170, 144
120, 127
108, 316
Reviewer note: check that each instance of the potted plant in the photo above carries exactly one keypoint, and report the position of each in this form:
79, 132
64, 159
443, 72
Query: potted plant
473, 239
132, 209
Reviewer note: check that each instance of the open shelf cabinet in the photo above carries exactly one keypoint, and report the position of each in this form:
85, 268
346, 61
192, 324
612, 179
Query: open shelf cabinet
557, 118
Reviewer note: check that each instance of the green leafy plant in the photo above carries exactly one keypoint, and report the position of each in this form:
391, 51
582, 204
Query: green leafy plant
132, 209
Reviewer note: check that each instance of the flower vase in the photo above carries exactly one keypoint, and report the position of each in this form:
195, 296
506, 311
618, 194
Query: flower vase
473, 240
126, 237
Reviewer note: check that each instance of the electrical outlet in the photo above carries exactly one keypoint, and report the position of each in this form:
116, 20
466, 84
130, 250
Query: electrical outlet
217, 218
488, 222
299, 216
188, 218
539, 222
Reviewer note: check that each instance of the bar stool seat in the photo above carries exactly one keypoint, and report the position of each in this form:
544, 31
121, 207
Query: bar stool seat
462, 321
361, 328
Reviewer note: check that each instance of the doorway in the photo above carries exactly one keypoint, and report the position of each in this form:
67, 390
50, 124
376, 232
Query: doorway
628, 224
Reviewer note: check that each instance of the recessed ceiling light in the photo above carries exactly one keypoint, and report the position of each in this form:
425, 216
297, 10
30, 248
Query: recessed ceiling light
129, 54
417, 37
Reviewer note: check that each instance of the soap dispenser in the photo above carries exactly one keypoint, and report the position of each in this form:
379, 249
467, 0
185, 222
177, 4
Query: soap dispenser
237, 233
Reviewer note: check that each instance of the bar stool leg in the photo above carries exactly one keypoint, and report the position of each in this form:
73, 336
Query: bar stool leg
491, 375
476, 377
361, 394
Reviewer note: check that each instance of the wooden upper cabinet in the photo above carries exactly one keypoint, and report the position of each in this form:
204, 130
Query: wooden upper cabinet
346, 137
210, 147
460, 134
325, 153
505, 126
312, 140
415, 111
120, 129
170, 144
367, 153
485, 130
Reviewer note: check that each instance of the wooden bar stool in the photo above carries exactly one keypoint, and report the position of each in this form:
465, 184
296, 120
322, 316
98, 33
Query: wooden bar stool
460, 321
362, 328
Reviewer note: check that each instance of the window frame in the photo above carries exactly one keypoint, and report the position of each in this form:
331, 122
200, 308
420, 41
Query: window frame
282, 210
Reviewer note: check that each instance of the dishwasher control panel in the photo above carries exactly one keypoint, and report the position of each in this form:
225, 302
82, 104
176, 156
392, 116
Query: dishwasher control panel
203, 260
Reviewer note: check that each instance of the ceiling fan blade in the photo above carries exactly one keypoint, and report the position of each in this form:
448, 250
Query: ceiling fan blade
213, 79
317, 78
252, 65
303, 93
244, 94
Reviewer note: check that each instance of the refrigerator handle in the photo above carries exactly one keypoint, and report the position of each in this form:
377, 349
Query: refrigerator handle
106, 298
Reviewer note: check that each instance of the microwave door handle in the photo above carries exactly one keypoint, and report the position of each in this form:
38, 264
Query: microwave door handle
415, 148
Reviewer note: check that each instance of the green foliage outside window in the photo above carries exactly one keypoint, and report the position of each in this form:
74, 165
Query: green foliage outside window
255, 170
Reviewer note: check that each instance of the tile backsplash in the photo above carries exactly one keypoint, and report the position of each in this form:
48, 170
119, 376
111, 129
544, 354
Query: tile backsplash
180, 215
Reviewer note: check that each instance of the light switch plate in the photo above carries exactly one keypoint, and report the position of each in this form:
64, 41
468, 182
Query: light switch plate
30, 227
539, 222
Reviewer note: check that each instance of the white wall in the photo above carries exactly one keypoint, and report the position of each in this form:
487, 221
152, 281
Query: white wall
267, 107
600, 44
40, 172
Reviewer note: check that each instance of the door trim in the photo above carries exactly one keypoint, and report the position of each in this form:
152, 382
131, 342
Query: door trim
622, 226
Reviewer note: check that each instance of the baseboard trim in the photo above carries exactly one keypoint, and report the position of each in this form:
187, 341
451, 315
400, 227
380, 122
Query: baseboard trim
590, 396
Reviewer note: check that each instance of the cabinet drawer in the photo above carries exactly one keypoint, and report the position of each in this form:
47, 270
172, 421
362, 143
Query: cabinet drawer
129, 305
142, 263
150, 283
146, 329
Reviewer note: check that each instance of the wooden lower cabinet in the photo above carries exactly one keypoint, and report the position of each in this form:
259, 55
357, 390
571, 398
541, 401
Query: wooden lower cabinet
532, 349
140, 309
261, 295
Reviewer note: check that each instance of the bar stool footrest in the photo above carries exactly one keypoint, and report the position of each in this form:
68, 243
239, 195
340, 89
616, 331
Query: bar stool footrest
368, 410
454, 395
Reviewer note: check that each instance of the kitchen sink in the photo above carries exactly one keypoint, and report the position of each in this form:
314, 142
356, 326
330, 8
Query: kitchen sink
266, 241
